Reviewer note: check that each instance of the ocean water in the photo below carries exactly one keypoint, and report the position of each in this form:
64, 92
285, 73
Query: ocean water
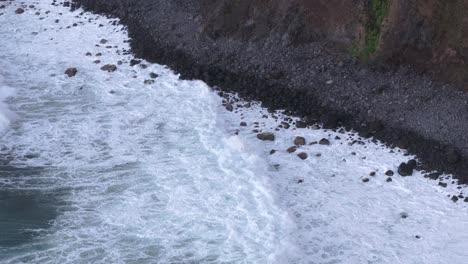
103, 168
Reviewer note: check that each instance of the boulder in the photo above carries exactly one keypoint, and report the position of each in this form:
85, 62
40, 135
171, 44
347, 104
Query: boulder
299, 141
324, 141
292, 149
109, 68
303, 155
406, 169
71, 72
266, 136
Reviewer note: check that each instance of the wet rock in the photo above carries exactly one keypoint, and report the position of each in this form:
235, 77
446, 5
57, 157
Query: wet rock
88, 54
389, 173
365, 180
372, 174
303, 155
134, 62
243, 124
273, 151
466, 200
389, 179
324, 141
454, 199
98, 54
103, 41
109, 68
300, 181
97, 61
229, 107
299, 141
149, 82
443, 184
406, 168
19, 11
71, 72
153, 75
292, 149
266, 136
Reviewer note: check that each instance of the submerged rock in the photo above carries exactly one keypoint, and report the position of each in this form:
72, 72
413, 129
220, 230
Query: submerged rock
71, 72
266, 136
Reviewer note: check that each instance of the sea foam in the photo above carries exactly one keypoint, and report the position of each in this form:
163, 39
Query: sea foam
5, 114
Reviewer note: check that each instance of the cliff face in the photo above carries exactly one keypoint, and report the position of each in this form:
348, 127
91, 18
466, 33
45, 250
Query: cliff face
431, 34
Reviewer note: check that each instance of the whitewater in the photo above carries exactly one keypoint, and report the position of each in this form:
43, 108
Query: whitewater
140, 166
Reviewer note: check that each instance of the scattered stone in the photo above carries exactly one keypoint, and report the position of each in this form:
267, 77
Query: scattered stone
404, 215
134, 62
372, 174
119, 63
103, 41
97, 61
466, 200
389, 173
300, 181
153, 75
417, 237
273, 151
109, 68
443, 184
406, 169
324, 141
365, 180
71, 72
303, 155
389, 179
292, 149
88, 54
243, 124
19, 11
149, 82
229, 107
299, 141
266, 136
98, 54
454, 199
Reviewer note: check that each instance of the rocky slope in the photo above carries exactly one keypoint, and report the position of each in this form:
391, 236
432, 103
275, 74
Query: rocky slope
321, 60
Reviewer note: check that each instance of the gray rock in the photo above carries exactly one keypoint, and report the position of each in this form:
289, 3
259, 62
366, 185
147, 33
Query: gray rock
299, 141
71, 72
109, 68
266, 136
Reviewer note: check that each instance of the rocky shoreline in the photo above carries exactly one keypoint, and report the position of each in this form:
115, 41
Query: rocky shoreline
397, 105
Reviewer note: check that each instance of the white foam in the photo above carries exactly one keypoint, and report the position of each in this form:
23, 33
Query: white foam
6, 116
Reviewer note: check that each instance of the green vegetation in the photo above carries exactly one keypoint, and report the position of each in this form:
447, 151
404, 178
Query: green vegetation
377, 11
